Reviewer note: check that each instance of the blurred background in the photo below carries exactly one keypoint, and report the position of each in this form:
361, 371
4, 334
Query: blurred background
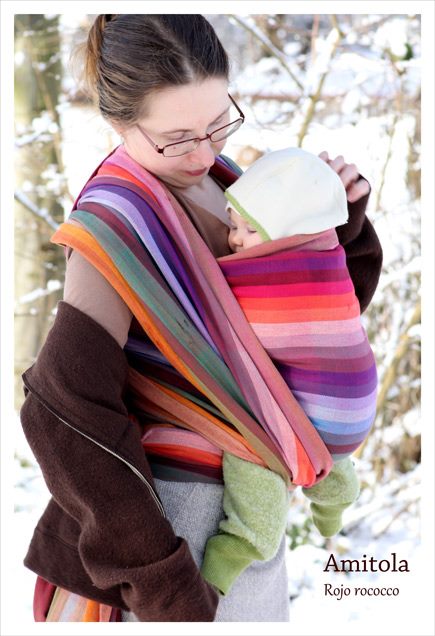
348, 84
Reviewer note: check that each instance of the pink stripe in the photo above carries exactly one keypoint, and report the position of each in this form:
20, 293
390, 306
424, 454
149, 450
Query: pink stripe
313, 340
179, 437
334, 402
314, 328
270, 411
294, 289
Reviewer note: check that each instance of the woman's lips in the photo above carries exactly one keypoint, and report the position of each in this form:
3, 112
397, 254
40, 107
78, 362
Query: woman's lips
196, 173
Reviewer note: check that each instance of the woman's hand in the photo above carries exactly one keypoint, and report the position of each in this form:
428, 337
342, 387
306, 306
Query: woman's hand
356, 187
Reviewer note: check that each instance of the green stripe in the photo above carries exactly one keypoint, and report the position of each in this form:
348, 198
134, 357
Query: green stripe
160, 303
204, 405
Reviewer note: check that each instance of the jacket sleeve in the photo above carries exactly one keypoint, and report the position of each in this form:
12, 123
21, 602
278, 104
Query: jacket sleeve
77, 426
363, 251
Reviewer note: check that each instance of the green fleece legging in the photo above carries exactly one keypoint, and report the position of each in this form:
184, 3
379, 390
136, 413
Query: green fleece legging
256, 503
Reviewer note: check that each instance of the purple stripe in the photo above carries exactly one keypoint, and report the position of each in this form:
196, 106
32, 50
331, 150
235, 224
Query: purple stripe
151, 232
360, 377
345, 449
288, 261
161, 236
288, 277
341, 438
334, 390
326, 365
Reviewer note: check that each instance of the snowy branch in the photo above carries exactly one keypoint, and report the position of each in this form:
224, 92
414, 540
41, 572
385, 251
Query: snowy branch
268, 45
402, 347
333, 40
41, 214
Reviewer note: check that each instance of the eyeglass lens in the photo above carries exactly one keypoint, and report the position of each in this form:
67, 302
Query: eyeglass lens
182, 148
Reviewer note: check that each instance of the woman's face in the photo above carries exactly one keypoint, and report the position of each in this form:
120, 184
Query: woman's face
175, 114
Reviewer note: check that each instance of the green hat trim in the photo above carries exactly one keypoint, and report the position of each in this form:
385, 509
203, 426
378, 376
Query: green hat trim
236, 205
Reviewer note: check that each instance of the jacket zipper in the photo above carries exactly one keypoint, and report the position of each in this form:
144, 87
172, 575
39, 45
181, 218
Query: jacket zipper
133, 468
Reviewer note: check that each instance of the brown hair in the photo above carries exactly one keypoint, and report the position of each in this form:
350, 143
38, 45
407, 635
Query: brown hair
129, 56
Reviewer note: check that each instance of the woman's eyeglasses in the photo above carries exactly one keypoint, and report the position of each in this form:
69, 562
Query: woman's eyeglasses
189, 145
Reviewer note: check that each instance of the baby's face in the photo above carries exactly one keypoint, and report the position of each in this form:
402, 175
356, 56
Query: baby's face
241, 235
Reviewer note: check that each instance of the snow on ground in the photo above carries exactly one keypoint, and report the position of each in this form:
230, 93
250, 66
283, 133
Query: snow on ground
389, 524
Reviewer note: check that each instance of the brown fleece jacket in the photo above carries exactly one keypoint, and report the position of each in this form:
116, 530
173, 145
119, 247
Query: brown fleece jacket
363, 251
102, 535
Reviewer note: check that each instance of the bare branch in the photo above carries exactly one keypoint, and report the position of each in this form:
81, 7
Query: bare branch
40, 214
387, 160
315, 97
390, 374
265, 41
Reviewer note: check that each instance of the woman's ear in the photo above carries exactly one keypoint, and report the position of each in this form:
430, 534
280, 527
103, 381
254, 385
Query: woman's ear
118, 128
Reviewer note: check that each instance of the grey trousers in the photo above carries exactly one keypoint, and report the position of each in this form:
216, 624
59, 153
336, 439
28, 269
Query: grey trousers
261, 591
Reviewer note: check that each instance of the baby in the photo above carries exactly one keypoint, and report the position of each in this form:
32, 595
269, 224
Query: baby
300, 301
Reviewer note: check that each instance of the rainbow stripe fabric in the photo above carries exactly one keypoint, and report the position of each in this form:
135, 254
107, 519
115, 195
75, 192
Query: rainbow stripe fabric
302, 306
72, 608
219, 382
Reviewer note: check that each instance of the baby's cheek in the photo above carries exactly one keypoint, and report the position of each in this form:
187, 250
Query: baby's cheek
253, 239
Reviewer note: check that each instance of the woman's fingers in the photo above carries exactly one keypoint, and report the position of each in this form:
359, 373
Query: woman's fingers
337, 164
357, 190
349, 174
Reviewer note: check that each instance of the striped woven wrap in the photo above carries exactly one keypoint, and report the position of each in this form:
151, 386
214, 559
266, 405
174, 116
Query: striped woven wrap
218, 380
301, 304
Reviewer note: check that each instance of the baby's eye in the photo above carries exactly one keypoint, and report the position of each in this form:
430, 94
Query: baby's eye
251, 230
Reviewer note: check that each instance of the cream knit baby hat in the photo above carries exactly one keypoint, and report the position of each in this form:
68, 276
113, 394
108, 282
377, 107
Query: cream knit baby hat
287, 192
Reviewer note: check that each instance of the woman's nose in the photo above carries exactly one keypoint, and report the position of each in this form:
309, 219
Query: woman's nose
204, 153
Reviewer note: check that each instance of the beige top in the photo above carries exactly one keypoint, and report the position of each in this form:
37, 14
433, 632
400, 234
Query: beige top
88, 290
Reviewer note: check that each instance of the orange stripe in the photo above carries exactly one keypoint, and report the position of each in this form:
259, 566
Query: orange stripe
311, 315
154, 409
195, 407
184, 452
81, 240
92, 612
297, 302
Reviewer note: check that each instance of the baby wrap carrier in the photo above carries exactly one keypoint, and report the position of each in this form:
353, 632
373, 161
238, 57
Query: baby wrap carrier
217, 379
299, 299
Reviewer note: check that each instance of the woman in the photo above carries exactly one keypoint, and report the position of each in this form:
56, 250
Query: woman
100, 392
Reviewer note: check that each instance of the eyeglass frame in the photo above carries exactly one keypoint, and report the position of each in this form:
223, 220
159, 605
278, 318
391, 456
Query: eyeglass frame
199, 139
